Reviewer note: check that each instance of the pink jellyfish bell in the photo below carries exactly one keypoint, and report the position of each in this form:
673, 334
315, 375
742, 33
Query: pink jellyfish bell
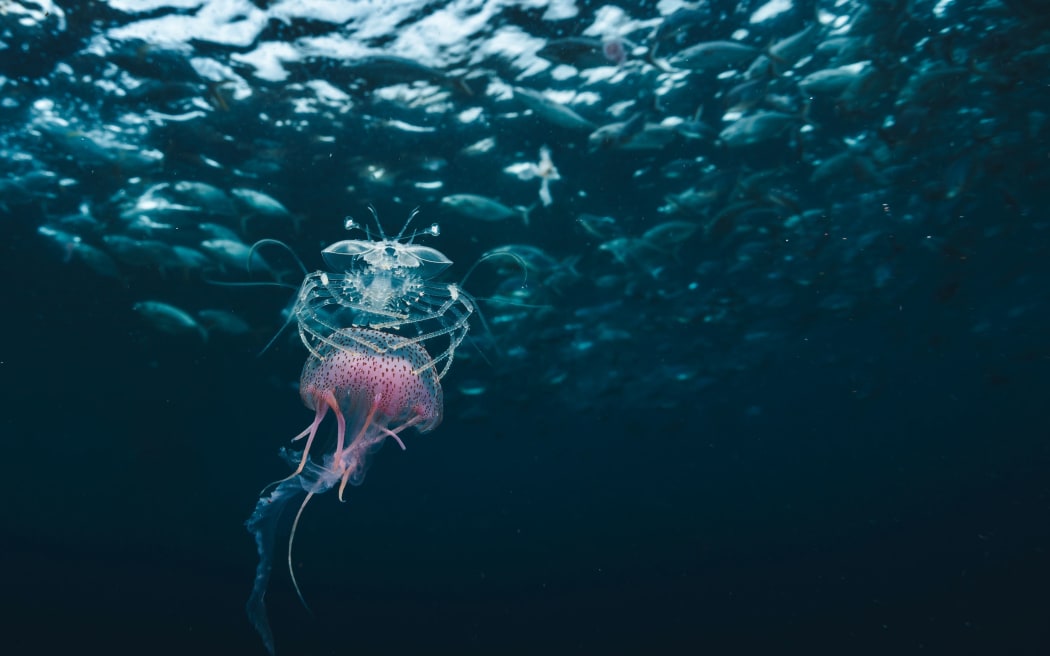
382, 382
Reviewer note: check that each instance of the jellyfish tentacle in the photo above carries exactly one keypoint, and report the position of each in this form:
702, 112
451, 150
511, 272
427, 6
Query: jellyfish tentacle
291, 542
263, 526
346, 477
340, 420
393, 432
320, 412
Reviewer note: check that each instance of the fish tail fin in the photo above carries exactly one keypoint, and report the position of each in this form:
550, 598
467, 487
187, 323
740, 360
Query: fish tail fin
526, 213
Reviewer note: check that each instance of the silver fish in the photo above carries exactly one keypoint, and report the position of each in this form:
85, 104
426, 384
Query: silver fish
139, 252
833, 81
632, 135
482, 208
169, 319
257, 205
670, 235
208, 197
552, 111
756, 128
260, 203
602, 227
790, 50
715, 56
234, 255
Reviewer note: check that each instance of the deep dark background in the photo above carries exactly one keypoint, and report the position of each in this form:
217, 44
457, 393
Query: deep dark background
783, 511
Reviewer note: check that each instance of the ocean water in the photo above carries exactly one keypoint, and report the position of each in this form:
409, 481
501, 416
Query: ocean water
766, 370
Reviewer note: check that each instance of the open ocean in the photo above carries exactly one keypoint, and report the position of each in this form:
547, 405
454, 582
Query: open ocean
757, 301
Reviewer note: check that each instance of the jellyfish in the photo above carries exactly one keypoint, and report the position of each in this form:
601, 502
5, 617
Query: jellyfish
366, 326
374, 391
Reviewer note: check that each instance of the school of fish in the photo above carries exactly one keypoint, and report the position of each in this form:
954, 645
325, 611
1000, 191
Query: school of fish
684, 188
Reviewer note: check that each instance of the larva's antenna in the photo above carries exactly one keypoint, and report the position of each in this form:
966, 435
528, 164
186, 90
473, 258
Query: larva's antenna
375, 215
411, 216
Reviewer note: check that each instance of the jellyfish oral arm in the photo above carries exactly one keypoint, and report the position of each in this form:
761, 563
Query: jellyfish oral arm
263, 525
311, 431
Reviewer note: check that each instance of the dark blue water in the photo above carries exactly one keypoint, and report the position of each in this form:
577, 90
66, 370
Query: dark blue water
824, 434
